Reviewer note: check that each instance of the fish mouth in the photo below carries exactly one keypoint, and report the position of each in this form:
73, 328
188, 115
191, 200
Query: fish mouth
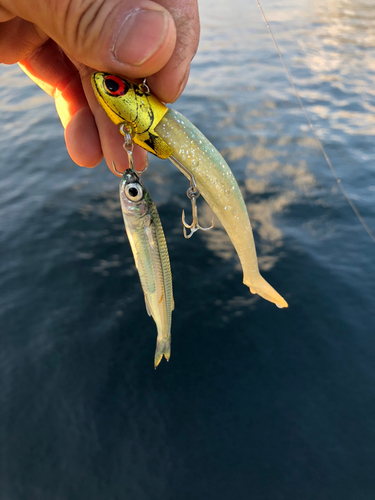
130, 176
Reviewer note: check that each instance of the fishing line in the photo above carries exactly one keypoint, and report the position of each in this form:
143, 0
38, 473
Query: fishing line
319, 142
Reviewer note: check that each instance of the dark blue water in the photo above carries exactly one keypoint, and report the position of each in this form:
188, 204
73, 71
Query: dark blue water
256, 403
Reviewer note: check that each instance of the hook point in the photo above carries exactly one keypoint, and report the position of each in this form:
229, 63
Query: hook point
115, 171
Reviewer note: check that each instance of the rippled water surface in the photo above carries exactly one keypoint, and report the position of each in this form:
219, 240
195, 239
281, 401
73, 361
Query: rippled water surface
256, 403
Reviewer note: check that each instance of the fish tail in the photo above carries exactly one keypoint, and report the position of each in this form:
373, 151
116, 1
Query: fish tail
260, 286
163, 348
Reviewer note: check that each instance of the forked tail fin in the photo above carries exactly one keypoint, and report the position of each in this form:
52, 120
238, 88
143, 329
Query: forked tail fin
260, 286
163, 348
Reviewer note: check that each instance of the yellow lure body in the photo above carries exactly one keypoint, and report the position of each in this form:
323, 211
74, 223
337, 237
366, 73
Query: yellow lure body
139, 109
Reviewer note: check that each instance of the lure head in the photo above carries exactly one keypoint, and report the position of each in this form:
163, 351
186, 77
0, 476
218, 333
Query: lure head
134, 196
132, 104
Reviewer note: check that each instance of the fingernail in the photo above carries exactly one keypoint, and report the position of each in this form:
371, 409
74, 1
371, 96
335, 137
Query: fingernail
140, 36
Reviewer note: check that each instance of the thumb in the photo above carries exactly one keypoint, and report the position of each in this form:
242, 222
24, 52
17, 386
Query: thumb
135, 38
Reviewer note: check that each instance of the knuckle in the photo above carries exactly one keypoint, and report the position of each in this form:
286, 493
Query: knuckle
186, 19
79, 22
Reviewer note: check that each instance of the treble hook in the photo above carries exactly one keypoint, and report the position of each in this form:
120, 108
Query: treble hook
192, 193
115, 171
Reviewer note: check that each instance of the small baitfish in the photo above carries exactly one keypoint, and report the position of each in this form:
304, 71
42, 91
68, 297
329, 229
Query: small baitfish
147, 241
167, 134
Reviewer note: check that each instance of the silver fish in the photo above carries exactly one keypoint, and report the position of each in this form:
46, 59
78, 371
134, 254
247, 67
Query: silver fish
147, 241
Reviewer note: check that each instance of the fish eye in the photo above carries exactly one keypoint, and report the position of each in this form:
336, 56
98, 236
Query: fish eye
115, 85
134, 192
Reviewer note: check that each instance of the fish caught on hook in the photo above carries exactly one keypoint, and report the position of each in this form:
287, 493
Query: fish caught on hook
149, 248
167, 134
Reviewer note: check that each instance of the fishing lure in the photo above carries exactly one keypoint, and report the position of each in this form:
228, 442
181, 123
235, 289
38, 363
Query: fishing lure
168, 134
147, 241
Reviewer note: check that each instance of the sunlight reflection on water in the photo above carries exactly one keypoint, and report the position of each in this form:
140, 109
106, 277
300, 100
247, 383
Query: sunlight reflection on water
255, 401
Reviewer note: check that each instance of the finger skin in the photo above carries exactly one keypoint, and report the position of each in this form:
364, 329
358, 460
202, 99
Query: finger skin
82, 139
19, 39
87, 135
169, 82
89, 132
57, 76
86, 31
89, 31
86, 37
5, 15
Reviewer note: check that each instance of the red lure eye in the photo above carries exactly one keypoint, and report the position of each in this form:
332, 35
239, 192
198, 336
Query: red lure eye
115, 85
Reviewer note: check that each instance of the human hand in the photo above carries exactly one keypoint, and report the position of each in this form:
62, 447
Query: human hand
59, 43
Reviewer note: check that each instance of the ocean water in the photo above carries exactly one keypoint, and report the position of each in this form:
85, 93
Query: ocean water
256, 403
